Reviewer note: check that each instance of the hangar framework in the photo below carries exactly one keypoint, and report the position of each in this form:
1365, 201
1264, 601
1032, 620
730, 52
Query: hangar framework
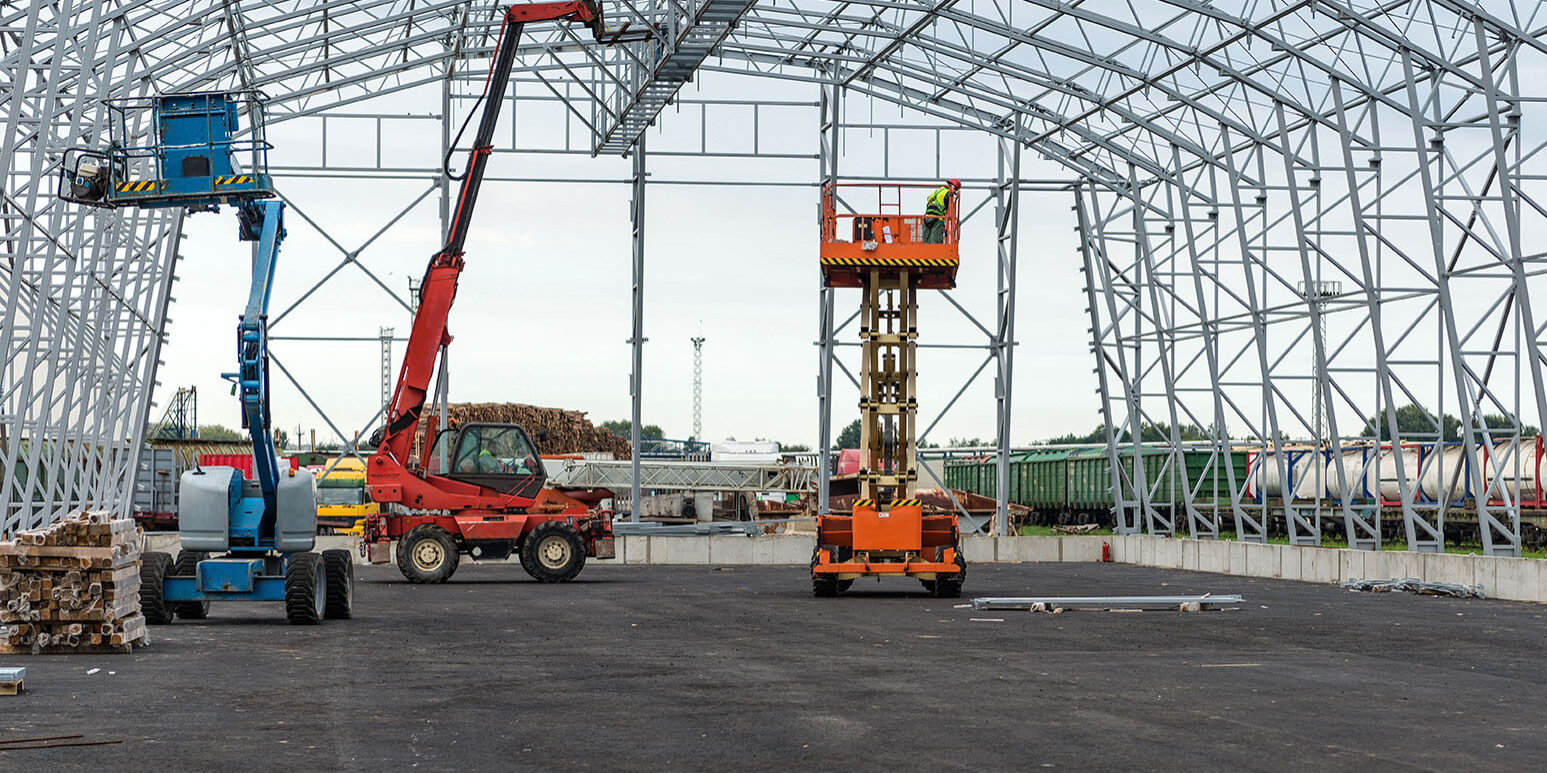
1296, 216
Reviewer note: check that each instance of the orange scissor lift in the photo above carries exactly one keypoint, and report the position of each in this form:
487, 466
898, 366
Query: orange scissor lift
886, 533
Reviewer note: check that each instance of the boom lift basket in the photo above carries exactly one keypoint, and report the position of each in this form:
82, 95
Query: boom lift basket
199, 150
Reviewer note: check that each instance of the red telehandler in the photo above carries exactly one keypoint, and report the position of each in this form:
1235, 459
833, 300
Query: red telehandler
476, 488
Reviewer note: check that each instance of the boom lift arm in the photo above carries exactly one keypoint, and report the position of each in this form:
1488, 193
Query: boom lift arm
390, 474
263, 222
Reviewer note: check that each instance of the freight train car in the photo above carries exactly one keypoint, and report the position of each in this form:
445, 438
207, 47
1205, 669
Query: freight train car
1068, 486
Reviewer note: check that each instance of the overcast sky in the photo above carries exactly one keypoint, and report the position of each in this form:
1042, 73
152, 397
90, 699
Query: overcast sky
542, 315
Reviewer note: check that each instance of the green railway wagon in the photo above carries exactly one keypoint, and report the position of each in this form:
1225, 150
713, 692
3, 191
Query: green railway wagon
1215, 486
1039, 479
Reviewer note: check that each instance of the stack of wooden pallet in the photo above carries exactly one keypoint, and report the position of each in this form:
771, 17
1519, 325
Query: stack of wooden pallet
72, 587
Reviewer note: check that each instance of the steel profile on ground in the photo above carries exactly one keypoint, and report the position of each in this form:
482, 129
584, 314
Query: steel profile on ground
1205, 601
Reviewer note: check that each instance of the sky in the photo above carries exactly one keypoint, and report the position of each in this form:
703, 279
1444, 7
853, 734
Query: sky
543, 311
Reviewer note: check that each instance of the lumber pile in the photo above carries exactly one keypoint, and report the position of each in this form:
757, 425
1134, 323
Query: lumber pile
72, 587
568, 431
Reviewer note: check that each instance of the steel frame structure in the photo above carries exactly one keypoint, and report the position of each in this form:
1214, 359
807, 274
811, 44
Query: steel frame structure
1222, 158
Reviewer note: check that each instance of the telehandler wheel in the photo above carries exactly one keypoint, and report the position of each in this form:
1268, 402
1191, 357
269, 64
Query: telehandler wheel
553, 552
339, 568
427, 554
187, 565
305, 589
154, 567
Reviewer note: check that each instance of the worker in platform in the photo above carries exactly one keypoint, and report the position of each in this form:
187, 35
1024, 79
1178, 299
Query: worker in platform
935, 210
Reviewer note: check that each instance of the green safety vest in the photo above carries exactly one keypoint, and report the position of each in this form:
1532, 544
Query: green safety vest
939, 201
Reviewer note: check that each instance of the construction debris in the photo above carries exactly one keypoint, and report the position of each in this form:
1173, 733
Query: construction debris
567, 432
1415, 585
1057, 604
1083, 528
72, 587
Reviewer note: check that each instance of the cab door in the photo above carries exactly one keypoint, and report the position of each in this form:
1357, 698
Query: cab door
497, 456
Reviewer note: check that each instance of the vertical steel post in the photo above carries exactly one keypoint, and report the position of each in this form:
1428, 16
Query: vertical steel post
1007, 217
828, 162
637, 339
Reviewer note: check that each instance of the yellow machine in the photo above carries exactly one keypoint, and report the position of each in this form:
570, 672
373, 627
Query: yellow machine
342, 502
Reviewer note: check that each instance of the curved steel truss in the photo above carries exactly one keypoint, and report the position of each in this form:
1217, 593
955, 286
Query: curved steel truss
1297, 216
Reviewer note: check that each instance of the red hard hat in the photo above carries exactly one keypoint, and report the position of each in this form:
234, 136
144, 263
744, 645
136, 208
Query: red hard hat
954, 183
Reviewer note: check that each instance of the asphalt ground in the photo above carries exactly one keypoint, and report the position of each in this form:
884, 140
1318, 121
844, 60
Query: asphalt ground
697, 668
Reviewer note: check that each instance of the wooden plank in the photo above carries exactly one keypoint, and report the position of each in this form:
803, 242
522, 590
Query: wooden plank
13, 688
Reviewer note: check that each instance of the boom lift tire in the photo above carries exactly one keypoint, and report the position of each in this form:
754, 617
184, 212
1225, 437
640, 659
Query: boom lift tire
427, 554
305, 589
154, 568
553, 552
187, 565
339, 568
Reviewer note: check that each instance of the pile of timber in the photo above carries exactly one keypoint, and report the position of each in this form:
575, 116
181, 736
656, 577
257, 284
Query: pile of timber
568, 431
72, 587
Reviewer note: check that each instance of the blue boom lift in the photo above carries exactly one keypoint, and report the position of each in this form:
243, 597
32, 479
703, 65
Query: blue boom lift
241, 540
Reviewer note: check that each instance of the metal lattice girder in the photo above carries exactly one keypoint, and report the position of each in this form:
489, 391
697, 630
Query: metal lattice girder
685, 476
1233, 159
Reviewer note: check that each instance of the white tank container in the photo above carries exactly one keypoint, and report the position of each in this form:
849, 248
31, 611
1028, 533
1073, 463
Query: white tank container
1352, 461
1381, 473
1445, 475
1520, 469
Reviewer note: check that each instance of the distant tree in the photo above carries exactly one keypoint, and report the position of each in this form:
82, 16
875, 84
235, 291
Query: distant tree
962, 442
849, 437
1413, 419
1156, 432
219, 432
1497, 421
792, 448
625, 428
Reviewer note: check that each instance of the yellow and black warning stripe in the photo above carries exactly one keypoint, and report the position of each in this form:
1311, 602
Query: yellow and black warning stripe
924, 262
139, 186
870, 503
907, 503
235, 179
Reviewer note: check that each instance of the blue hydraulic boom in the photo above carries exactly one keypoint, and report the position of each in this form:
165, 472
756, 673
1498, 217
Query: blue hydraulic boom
242, 540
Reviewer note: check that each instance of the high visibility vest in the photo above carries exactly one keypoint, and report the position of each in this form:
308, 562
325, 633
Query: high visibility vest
939, 201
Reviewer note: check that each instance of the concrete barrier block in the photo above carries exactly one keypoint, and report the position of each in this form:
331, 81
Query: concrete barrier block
1083, 549
1190, 548
1260, 560
1168, 553
1518, 579
1444, 567
1147, 550
1288, 562
1029, 549
978, 548
635, 549
679, 550
1215, 556
1485, 573
1318, 564
1351, 564
1236, 551
792, 549
731, 550
1397, 564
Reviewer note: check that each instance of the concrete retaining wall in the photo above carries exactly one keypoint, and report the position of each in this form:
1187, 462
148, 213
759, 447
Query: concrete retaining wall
1515, 579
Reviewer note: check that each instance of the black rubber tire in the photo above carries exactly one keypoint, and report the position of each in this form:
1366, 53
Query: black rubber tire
929, 586
305, 589
950, 587
187, 565
427, 539
339, 569
553, 552
823, 586
154, 568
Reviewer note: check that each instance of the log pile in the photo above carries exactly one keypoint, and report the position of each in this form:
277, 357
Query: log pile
72, 587
568, 431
